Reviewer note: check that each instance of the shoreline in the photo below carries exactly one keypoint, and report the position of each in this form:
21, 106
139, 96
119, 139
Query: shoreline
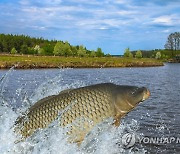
38, 62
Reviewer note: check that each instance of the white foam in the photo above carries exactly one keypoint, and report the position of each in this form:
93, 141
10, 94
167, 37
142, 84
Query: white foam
104, 138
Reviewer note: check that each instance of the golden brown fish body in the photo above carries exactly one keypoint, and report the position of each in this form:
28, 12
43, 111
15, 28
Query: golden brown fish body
81, 108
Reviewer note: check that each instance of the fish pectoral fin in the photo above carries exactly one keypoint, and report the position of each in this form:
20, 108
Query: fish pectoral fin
79, 142
116, 122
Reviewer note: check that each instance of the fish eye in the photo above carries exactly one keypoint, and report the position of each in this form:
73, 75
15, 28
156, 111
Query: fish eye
133, 92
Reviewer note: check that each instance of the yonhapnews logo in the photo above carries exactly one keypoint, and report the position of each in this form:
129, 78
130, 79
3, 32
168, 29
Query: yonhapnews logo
129, 139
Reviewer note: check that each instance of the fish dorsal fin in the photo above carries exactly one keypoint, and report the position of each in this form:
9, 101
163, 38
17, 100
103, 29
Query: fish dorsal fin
49, 98
46, 98
65, 91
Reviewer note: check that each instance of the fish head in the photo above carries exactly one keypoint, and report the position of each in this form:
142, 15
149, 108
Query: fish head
137, 94
128, 97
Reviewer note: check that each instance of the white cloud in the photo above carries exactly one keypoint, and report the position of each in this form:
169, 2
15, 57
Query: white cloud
121, 1
44, 2
24, 2
166, 31
77, 16
91, 2
103, 28
111, 20
167, 20
121, 15
100, 23
113, 13
51, 1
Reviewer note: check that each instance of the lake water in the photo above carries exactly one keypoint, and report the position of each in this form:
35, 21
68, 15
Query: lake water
154, 125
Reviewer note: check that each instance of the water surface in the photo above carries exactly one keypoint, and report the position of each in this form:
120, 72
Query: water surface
158, 117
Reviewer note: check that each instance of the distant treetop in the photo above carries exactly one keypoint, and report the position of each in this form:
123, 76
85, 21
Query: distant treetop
22, 44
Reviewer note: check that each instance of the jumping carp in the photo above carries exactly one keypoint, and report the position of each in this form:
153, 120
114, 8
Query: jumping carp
82, 108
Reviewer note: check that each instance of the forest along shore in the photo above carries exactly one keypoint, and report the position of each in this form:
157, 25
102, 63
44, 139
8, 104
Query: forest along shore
30, 61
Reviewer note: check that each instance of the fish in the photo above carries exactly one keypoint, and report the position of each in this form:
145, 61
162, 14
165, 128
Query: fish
81, 109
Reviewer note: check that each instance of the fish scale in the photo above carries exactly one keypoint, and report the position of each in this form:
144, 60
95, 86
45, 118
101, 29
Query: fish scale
81, 109
90, 112
47, 111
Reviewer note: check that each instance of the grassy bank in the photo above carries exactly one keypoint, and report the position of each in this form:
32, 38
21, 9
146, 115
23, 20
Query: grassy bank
27, 61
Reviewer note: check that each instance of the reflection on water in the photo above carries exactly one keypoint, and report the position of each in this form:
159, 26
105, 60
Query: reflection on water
157, 117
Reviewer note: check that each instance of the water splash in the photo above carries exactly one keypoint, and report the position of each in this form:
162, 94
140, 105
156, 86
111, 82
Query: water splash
3, 83
53, 86
104, 138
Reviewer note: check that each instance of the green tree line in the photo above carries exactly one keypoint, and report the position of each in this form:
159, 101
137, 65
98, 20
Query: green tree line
22, 44
172, 49
160, 53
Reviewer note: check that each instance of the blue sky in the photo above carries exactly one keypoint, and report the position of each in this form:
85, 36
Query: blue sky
112, 25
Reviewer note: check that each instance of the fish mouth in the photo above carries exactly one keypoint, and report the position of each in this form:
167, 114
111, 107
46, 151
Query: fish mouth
146, 95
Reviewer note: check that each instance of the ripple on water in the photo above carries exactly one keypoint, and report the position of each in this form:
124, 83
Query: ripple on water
157, 116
